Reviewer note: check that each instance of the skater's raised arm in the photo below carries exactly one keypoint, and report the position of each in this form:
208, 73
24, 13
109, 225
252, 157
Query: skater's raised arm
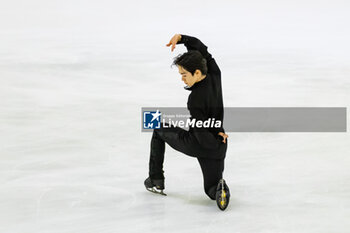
192, 43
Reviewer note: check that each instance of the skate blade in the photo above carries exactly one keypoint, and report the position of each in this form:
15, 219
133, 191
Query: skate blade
222, 200
222, 203
153, 190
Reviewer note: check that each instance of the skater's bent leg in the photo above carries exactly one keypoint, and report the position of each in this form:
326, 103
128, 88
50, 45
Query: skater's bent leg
212, 173
156, 156
173, 136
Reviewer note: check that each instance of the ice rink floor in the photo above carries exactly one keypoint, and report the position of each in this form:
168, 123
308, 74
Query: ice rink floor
73, 79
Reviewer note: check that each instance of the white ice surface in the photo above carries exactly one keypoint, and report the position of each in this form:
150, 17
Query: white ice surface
74, 76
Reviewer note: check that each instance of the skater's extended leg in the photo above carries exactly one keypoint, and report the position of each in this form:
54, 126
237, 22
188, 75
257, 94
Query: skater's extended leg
212, 173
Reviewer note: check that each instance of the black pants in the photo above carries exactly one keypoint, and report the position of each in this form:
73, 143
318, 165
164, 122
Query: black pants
212, 169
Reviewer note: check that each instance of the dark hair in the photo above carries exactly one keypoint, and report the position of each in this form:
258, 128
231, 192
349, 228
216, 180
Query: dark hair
191, 61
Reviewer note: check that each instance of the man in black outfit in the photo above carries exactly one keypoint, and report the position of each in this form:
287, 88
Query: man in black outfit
202, 76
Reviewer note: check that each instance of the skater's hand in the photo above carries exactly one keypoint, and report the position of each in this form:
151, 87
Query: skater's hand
224, 136
176, 38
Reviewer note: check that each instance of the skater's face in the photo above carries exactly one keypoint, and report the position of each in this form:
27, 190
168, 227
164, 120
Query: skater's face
188, 78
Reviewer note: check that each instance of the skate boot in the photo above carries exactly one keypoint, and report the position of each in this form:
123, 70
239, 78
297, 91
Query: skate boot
222, 195
155, 185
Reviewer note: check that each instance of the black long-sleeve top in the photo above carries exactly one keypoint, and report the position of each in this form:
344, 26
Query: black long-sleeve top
205, 100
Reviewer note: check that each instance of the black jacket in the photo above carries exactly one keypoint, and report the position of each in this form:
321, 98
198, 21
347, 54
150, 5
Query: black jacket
205, 100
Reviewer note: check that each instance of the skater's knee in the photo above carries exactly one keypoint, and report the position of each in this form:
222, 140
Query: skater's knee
163, 133
156, 133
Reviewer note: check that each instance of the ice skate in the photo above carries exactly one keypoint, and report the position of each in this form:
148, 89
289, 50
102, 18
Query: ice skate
222, 195
155, 185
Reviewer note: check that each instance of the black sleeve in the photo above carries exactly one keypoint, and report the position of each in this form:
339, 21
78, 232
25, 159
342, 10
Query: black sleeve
221, 129
192, 43
202, 134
